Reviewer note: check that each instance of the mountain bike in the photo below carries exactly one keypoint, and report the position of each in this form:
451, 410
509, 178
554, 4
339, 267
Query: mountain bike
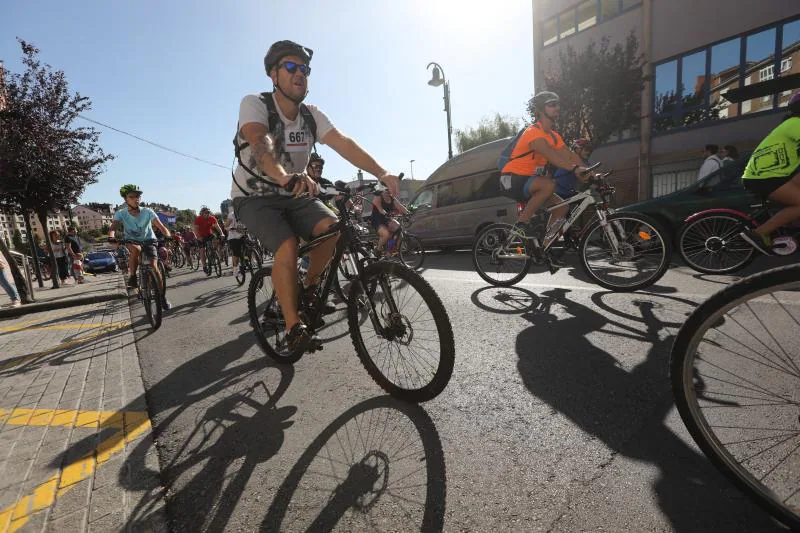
212, 259
618, 251
250, 259
735, 372
710, 241
194, 255
396, 320
178, 257
149, 290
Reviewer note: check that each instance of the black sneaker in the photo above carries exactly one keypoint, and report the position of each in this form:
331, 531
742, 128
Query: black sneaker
133, 282
554, 263
532, 227
758, 242
299, 339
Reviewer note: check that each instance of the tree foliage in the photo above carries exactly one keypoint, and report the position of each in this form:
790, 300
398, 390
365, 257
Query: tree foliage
600, 89
46, 162
488, 130
185, 217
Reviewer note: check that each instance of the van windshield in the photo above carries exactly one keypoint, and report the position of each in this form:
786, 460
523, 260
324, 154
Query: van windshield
423, 199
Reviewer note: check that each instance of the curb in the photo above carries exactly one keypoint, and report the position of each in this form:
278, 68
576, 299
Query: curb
61, 304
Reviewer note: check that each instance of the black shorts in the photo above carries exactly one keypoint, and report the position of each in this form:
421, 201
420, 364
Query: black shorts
516, 186
149, 251
236, 246
763, 187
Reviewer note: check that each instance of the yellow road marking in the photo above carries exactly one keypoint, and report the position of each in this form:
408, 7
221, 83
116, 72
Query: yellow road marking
129, 425
93, 334
75, 325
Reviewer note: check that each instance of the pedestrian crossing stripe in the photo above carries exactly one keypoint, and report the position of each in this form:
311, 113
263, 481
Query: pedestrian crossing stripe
129, 426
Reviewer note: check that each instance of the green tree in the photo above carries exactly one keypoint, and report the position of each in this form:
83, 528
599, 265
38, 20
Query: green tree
488, 130
600, 89
106, 229
185, 217
45, 160
16, 241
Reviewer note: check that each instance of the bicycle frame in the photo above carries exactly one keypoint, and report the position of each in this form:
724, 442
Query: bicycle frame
345, 244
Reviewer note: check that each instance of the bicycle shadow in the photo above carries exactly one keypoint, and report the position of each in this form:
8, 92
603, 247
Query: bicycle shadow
626, 408
377, 466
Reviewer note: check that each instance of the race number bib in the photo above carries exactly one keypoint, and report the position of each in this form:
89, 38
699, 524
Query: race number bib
297, 140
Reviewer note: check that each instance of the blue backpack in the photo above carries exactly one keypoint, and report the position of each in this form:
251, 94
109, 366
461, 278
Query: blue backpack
505, 155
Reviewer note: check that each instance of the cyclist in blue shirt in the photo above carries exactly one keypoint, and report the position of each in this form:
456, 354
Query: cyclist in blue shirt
138, 223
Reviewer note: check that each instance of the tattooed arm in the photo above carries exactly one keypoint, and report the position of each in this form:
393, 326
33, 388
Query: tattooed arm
262, 148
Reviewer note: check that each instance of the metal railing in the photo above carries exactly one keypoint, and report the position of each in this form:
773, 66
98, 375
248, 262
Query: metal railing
25, 268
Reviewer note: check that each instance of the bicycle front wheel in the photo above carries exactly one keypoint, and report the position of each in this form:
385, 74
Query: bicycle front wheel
195, 258
266, 318
412, 254
735, 371
151, 298
629, 253
401, 332
501, 255
241, 270
711, 244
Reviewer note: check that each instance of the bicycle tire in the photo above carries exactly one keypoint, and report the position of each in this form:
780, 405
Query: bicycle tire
343, 270
412, 253
479, 249
266, 338
178, 259
686, 380
217, 265
372, 278
195, 258
151, 298
653, 230
699, 241
241, 270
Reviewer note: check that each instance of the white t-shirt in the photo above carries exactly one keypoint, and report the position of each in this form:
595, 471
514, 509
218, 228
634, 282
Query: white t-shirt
297, 141
234, 226
711, 164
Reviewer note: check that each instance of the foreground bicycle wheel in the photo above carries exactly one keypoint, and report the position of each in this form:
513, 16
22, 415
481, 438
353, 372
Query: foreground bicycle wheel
347, 272
711, 244
412, 254
735, 371
500, 255
403, 336
266, 318
642, 255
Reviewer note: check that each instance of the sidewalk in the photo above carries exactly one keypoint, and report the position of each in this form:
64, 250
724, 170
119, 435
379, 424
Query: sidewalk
76, 449
100, 288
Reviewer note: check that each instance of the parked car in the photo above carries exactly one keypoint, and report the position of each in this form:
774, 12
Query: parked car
100, 262
720, 189
461, 197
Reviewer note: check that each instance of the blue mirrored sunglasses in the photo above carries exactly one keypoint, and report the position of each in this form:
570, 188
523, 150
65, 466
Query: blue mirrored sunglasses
291, 67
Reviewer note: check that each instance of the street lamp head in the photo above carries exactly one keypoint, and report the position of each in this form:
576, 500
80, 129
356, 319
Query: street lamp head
437, 79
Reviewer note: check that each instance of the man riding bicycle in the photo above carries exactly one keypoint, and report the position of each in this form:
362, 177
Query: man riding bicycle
205, 227
384, 206
272, 193
774, 172
236, 232
528, 175
137, 224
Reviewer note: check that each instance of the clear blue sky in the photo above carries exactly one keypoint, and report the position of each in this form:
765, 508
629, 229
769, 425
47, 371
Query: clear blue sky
175, 72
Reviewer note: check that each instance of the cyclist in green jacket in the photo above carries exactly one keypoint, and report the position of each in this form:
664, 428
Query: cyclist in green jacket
774, 172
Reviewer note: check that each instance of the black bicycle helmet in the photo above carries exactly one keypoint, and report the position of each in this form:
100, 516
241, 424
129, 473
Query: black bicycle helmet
282, 49
542, 99
204, 208
315, 158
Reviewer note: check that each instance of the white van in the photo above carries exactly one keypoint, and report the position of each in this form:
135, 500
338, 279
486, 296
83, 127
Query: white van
461, 197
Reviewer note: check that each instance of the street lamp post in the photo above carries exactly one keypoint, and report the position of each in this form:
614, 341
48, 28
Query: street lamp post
436, 80
412, 168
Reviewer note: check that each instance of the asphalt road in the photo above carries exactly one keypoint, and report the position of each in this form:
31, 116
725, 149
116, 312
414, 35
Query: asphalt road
559, 417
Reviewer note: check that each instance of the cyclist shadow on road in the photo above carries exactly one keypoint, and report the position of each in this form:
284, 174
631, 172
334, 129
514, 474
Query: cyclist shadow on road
625, 403
214, 298
377, 466
237, 424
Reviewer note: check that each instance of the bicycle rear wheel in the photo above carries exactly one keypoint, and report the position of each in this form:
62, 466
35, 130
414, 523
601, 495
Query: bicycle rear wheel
500, 255
642, 255
735, 371
217, 265
711, 244
195, 258
151, 298
266, 318
403, 336
412, 254
178, 259
241, 269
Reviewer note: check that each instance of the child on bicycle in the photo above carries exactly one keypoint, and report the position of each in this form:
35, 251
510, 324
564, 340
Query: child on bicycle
774, 172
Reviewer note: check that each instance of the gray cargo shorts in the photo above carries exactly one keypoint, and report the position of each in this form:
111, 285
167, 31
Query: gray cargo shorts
275, 218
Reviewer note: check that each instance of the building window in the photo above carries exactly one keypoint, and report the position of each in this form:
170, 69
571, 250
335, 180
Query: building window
566, 24
549, 32
699, 94
582, 17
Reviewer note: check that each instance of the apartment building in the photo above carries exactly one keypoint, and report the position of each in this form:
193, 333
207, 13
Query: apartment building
93, 216
717, 72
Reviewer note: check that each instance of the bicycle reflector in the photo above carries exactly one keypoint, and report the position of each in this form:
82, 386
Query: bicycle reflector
644, 235
519, 250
